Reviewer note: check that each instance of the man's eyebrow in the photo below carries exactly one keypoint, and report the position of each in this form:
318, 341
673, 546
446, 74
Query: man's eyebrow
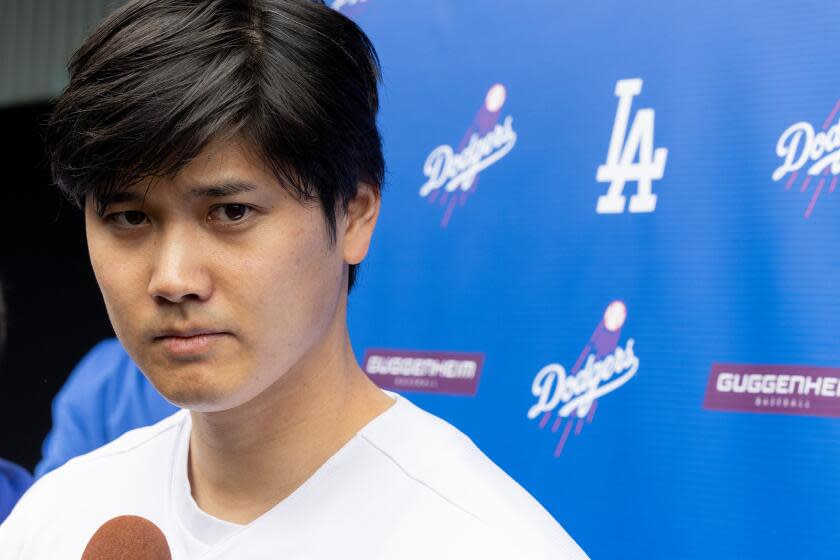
123, 196
117, 197
226, 188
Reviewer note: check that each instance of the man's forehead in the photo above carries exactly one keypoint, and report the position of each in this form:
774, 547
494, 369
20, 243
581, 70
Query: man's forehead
223, 157
222, 168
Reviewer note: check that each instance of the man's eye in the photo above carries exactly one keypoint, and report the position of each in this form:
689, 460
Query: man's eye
127, 219
229, 213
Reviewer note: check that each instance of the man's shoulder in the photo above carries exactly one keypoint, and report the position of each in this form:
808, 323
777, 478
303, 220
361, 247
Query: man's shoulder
129, 474
434, 452
139, 440
457, 477
119, 459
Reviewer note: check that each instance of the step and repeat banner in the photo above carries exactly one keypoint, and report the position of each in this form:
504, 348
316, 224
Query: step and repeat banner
609, 251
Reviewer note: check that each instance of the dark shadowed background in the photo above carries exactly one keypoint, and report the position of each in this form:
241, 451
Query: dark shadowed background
55, 310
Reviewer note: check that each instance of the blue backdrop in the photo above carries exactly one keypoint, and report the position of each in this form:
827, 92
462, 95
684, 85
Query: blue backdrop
729, 265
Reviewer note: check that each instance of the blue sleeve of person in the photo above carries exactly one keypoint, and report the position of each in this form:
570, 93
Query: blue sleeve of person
14, 481
105, 396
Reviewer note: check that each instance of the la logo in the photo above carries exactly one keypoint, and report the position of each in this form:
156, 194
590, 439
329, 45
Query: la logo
632, 158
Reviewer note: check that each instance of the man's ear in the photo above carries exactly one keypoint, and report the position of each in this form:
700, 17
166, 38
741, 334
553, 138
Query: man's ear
359, 222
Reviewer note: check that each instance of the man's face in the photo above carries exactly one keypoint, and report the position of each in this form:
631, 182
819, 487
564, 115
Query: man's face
217, 281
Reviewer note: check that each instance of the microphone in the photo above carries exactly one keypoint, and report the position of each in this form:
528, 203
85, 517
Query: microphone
128, 537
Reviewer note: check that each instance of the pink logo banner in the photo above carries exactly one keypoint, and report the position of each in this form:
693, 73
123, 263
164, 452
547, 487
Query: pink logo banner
451, 373
804, 390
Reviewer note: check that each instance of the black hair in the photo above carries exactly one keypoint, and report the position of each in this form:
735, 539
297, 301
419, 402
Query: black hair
158, 80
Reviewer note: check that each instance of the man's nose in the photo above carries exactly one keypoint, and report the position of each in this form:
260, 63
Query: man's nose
179, 269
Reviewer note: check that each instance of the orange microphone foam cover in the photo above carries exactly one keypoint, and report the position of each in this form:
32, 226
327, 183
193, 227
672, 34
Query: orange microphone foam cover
128, 537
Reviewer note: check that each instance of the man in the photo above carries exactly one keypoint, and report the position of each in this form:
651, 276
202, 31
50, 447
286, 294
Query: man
227, 158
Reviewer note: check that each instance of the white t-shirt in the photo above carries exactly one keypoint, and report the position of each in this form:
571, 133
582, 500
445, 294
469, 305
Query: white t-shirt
407, 486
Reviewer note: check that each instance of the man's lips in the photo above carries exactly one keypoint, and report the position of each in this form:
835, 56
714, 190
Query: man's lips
189, 342
184, 332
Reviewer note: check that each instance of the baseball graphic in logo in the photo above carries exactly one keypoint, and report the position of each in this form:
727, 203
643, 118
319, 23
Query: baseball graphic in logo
452, 173
570, 399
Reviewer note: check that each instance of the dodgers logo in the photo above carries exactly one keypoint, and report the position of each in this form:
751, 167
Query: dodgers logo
452, 173
602, 368
807, 154
624, 149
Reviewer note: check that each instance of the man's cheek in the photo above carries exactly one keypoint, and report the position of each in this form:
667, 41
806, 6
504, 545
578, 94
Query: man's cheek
122, 301
113, 293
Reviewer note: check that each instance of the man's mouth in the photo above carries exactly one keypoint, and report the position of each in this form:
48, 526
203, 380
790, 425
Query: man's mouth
189, 342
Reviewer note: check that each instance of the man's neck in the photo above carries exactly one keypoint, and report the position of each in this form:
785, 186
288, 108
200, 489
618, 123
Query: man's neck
242, 462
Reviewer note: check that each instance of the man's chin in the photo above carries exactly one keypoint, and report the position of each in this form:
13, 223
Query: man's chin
195, 388
200, 399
